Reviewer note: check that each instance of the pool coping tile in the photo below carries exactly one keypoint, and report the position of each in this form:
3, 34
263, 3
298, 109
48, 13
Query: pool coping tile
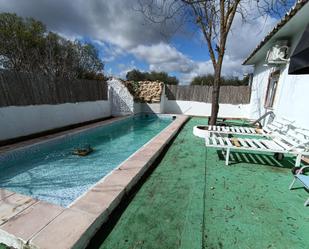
29, 222
64, 231
4, 193
13, 205
74, 226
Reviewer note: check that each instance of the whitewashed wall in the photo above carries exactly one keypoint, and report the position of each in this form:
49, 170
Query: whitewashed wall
150, 107
122, 102
204, 109
291, 99
195, 108
16, 121
258, 91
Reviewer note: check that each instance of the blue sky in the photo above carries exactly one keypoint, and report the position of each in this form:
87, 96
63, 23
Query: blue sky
126, 41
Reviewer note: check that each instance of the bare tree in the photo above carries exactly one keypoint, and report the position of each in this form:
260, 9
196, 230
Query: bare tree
214, 19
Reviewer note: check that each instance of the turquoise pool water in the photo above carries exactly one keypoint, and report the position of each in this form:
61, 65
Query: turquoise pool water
49, 171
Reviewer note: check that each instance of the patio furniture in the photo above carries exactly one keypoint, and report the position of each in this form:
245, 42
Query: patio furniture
304, 179
276, 125
292, 142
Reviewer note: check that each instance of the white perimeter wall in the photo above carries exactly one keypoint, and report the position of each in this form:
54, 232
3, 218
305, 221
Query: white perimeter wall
204, 109
122, 102
16, 121
195, 108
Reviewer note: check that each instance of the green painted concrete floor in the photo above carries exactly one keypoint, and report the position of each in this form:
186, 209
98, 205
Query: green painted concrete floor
192, 200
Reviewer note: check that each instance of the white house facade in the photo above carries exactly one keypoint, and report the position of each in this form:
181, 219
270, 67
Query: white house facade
273, 89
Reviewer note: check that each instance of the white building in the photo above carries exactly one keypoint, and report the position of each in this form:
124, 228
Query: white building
273, 89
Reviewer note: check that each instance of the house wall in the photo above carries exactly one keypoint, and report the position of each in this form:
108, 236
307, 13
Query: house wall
291, 96
258, 91
17, 121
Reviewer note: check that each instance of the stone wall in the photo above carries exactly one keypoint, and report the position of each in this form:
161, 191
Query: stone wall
145, 91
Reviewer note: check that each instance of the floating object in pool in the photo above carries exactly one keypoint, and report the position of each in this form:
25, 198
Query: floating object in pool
83, 151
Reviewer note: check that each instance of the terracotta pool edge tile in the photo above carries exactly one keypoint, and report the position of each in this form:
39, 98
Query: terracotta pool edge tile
67, 234
27, 202
10, 239
4, 193
25, 215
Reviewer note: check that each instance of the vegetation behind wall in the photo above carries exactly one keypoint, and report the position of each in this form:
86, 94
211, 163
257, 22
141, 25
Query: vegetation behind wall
136, 75
207, 80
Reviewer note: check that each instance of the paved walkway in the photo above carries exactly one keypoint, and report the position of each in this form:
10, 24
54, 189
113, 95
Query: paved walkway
192, 200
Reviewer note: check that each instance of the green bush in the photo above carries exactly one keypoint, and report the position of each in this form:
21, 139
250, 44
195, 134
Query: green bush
136, 75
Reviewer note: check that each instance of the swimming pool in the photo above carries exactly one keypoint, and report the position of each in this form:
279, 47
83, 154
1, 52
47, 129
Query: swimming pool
49, 171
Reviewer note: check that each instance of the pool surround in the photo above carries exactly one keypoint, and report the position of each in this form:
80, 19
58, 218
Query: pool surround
56, 227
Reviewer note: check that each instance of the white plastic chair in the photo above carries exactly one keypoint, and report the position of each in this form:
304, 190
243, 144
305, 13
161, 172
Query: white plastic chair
304, 179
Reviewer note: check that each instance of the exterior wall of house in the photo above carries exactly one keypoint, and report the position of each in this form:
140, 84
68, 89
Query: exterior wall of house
292, 100
25, 120
291, 96
258, 91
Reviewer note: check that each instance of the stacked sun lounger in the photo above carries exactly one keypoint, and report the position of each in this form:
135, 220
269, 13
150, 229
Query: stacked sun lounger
283, 140
276, 125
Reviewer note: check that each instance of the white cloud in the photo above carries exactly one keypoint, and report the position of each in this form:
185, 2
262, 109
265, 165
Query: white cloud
124, 68
118, 29
111, 21
110, 51
244, 36
164, 57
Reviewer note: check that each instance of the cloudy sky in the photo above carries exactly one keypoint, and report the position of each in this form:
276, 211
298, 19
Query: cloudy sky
126, 40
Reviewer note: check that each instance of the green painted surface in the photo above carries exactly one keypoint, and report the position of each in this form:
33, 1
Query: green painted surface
234, 122
192, 200
3, 246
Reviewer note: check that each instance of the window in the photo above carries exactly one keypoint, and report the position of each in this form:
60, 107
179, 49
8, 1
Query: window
271, 89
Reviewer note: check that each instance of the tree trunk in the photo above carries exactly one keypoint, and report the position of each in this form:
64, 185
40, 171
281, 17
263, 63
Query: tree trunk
215, 98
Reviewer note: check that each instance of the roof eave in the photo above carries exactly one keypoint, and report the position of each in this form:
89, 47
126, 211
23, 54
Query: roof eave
288, 16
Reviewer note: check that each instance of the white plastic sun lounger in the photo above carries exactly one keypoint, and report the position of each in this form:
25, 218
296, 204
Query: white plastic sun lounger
284, 144
268, 130
303, 179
